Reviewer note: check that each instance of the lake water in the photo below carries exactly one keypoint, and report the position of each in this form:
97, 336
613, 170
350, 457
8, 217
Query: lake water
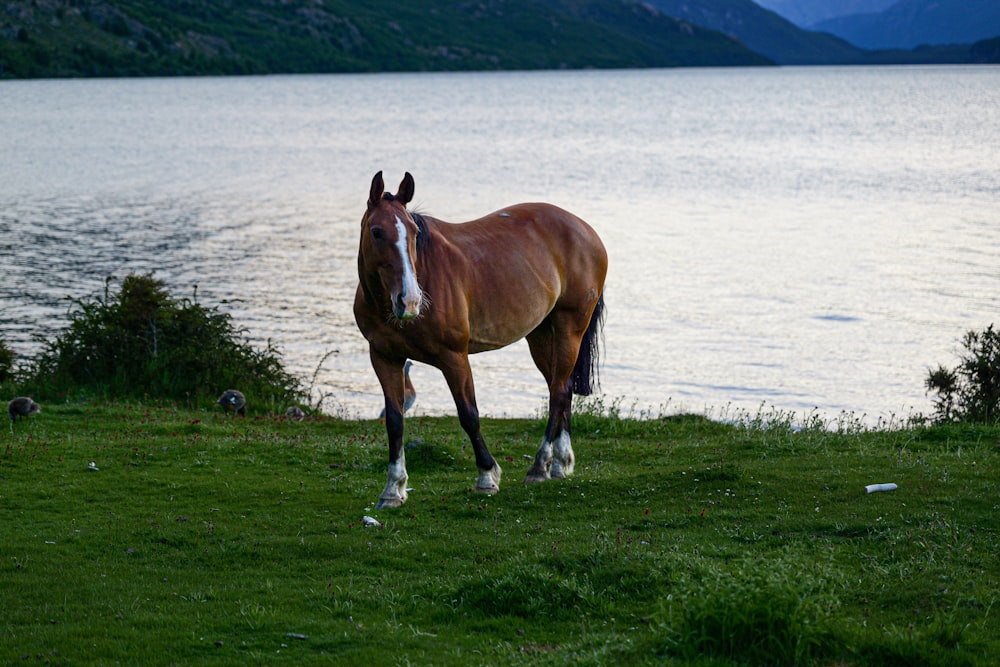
802, 238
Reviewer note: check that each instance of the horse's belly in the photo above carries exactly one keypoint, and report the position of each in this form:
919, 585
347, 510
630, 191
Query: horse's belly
500, 332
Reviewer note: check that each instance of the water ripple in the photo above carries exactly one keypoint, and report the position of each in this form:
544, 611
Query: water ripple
814, 238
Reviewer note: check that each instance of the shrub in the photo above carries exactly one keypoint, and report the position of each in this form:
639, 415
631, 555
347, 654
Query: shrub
141, 342
970, 392
6, 361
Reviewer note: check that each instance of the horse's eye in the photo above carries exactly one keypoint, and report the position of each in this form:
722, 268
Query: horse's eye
378, 233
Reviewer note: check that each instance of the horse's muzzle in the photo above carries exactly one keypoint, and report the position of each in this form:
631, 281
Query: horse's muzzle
406, 306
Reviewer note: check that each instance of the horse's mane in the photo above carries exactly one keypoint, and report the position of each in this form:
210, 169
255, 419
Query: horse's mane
424, 237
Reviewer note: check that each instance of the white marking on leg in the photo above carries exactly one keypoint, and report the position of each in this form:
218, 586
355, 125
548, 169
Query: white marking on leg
411, 289
489, 480
563, 461
394, 494
539, 471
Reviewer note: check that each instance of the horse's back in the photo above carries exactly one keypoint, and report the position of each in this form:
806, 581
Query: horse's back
520, 263
536, 230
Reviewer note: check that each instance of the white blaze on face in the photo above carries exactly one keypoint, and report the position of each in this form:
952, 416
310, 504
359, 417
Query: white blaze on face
411, 290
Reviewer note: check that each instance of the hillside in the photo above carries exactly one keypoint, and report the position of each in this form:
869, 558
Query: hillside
777, 38
806, 13
986, 51
911, 23
54, 38
763, 31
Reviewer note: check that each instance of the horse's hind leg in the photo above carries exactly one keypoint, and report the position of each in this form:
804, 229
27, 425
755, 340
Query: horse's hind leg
554, 351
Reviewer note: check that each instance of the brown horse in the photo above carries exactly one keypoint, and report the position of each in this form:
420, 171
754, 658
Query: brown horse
436, 292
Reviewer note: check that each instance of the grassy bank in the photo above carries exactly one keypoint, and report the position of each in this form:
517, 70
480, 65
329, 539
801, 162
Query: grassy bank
206, 540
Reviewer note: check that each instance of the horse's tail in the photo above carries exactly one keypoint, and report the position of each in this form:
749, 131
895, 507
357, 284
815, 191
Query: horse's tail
585, 379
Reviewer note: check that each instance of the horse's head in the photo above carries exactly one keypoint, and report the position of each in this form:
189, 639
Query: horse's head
388, 251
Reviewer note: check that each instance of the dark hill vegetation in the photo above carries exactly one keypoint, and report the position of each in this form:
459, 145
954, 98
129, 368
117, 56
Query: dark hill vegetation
74, 38
986, 51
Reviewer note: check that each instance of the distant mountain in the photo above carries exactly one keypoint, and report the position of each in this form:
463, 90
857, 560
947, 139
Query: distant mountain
51, 38
806, 13
986, 51
911, 23
763, 31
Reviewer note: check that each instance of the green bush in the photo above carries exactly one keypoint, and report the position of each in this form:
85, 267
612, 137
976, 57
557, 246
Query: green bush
971, 391
141, 342
6, 361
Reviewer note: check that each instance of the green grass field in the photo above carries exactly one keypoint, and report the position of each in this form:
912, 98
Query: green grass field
201, 539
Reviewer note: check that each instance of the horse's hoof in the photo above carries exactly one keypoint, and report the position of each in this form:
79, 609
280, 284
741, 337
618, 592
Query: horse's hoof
561, 470
535, 479
389, 503
488, 489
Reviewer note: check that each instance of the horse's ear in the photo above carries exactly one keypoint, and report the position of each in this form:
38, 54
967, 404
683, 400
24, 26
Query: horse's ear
405, 193
378, 187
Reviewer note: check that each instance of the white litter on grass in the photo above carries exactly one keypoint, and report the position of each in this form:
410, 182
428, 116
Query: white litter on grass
872, 488
92, 466
371, 522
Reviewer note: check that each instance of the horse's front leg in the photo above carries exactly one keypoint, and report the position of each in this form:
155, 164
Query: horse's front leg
390, 376
458, 374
